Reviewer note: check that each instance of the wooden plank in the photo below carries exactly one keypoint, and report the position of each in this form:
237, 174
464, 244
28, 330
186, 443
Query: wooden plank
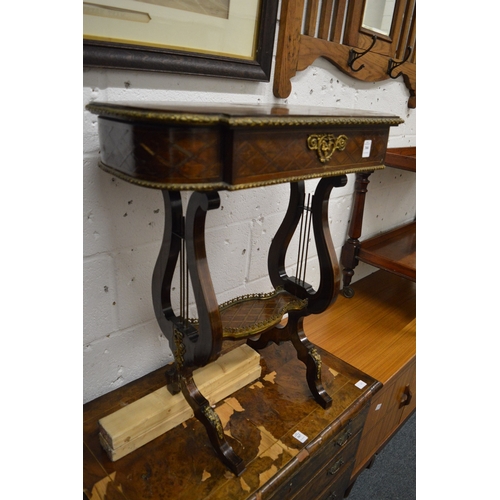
140, 422
311, 17
325, 19
338, 21
288, 46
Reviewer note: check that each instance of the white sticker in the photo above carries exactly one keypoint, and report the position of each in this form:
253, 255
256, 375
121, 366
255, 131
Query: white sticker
367, 146
377, 408
299, 436
360, 384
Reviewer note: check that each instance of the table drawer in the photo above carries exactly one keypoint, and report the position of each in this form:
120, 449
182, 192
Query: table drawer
262, 156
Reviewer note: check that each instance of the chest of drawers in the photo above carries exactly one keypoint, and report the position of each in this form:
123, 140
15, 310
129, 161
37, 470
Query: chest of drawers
264, 423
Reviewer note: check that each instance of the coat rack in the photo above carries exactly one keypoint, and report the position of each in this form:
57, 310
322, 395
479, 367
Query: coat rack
310, 29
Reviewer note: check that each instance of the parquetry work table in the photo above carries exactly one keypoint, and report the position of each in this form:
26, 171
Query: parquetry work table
204, 149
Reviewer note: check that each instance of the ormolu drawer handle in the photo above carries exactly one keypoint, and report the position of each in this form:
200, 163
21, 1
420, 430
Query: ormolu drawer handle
342, 440
336, 467
326, 144
407, 396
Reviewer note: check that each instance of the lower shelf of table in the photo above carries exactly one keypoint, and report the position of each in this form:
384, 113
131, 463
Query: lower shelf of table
250, 315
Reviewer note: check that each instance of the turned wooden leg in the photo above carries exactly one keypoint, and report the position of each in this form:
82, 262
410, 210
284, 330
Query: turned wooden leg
349, 255
211, 421
173, 379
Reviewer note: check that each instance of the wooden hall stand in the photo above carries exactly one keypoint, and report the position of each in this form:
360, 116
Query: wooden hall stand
394, 250
174, 147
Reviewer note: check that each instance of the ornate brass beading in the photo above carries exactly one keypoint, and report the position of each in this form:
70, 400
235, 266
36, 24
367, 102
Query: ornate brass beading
326, 144
317, 361
180, 348
214, 420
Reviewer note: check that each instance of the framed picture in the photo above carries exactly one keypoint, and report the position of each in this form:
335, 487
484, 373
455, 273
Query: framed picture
225, 38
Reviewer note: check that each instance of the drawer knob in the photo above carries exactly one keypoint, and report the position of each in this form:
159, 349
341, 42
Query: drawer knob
325, 145
336, 467
407, 397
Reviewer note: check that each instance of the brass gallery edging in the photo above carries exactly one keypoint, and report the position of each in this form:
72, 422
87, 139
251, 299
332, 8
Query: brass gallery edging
254, 121
223, 186
243, 332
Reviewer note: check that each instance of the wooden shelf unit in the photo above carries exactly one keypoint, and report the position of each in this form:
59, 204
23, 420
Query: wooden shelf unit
394, 250
376, 332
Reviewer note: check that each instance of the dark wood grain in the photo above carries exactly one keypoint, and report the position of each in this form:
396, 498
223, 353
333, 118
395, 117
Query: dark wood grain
174, 147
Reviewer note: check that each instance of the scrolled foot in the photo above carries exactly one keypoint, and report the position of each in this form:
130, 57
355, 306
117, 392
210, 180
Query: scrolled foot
211, 421
313, 376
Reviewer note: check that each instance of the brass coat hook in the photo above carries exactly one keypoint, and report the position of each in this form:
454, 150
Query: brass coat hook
353, 55
394, 64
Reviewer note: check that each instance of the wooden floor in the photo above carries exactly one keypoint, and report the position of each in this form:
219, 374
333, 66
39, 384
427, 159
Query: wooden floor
375, 331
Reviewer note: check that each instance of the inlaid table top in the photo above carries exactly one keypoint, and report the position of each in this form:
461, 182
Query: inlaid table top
182, 146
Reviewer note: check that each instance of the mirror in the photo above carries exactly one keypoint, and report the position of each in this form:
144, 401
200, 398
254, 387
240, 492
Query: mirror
378, 15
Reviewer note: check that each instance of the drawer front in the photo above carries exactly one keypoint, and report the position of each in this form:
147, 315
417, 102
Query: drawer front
407, 396
337, 490
328, 477
388, 409
265, 156
350, 433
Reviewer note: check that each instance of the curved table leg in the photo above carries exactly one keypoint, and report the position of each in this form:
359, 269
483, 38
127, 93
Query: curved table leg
192, 347
308, 354
162, 278
328, 288
211, 421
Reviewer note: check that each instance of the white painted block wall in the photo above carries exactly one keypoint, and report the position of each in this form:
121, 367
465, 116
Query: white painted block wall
123, 223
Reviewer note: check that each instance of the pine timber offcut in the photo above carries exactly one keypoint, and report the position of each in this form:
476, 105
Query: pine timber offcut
136, 424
